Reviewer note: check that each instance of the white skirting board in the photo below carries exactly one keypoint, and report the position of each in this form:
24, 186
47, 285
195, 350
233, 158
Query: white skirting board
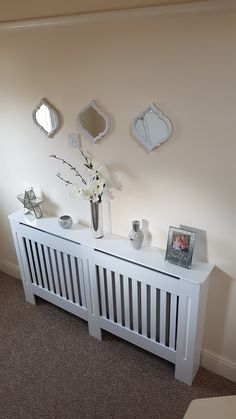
10, 268
209, 360
218, 364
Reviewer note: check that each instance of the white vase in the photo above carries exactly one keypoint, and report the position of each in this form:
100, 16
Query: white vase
96, 219
136, 235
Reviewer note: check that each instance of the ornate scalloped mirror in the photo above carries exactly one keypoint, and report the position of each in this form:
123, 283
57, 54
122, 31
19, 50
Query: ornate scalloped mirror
46, 117
151, 128
93, 122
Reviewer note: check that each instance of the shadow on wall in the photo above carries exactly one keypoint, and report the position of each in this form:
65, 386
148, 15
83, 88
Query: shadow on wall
146, 232
200, 247
217, 303
48, 206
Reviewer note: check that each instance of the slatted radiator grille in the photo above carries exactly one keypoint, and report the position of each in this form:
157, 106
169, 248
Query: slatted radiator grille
55, 271
139, 307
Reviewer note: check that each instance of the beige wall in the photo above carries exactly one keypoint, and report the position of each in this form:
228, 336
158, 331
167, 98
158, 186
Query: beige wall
187, 66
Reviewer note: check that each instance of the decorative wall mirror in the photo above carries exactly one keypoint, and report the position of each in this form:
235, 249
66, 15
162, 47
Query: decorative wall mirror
93, 122
46, 118
151, 128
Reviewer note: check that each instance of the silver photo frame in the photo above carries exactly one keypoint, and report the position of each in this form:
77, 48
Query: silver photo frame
180, 245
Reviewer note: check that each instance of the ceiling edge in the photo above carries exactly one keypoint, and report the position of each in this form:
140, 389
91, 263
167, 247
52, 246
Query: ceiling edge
162, 10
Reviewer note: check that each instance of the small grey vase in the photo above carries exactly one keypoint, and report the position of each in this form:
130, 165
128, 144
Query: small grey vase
136, 235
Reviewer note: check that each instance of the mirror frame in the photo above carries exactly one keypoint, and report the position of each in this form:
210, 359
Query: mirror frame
103, 114
56, 116
152, 108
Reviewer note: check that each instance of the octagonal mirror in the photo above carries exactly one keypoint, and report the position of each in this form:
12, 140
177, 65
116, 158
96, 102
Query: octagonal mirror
46, 117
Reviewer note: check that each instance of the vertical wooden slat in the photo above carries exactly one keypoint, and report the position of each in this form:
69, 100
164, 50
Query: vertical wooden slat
118, 298
135, 304
61, 278
49, 271
29, 253
36, 263
153, 313
21, 251
81, 282
75, 281
173, 313
42, 265
126, 301
102, 288
144, 308
67, 276
162, 317
54, 271
110, 295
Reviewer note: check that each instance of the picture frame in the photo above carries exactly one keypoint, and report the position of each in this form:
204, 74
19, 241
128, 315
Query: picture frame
180, 245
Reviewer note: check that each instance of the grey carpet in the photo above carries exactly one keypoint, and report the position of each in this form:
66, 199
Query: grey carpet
51, 368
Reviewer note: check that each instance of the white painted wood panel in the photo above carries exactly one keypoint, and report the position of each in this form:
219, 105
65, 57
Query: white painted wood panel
52, 256
139, 340
110, 296
42, 266
153, 258
148, 256
67, 276
135, 304
146, 293
126, 301
173, 320
23, 264
47, 239
60, 277
31, 263
162, 317
80, 279
118, 298
75, 282
144, 308
132, 270
102, 292
36, 264
153, 314
60, 302
187, 332
49, 269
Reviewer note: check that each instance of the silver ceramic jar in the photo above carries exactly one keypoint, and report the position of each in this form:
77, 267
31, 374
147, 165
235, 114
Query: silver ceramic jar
65, 221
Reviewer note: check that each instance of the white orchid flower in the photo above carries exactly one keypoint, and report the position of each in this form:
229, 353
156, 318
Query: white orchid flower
86, 194
75, 191
95, 188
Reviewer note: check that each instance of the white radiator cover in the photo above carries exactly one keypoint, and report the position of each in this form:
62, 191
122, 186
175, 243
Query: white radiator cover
134, 294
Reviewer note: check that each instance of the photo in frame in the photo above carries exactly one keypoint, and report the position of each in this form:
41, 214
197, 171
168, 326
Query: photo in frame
180, 244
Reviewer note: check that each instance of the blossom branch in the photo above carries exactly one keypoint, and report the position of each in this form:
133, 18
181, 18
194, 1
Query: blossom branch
70, 166
88, 163
67, 182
